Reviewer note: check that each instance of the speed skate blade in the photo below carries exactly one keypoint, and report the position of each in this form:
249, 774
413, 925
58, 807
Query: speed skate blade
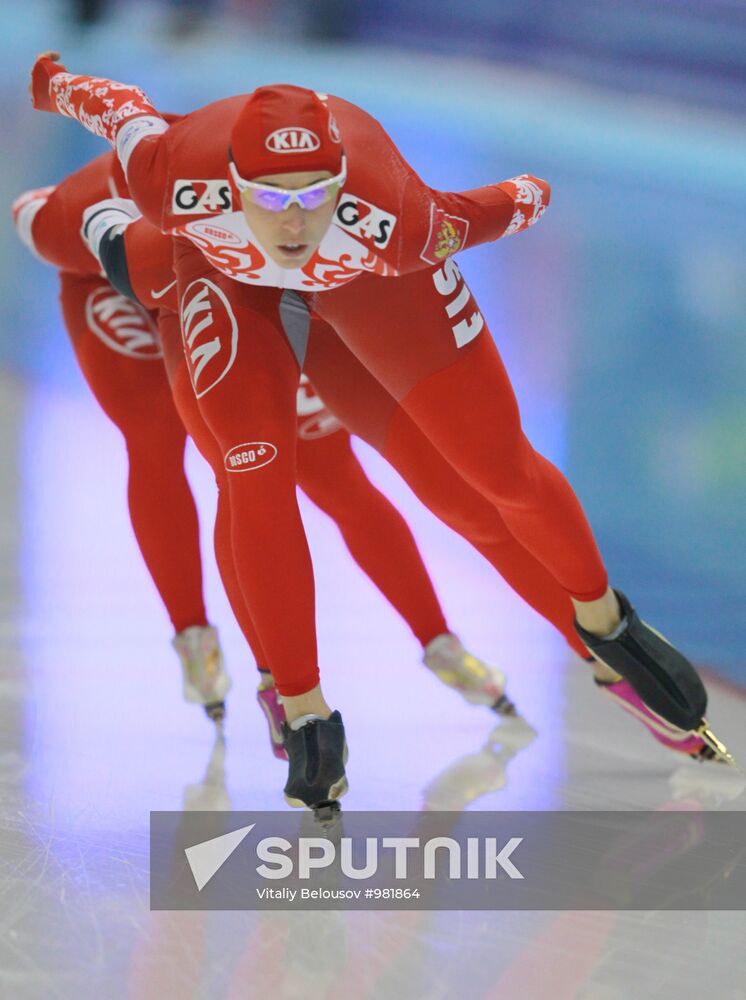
719, 751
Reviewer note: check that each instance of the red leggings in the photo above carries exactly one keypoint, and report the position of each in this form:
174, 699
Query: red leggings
237, 398
243, 374
364, 406
212, 312
377, 536
116, 345
373, 414
328, 471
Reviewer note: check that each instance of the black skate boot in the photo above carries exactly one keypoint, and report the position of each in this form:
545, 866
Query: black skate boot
662, 676
317, 753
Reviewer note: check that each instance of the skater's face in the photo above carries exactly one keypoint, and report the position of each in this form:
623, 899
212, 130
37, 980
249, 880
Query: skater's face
291, 235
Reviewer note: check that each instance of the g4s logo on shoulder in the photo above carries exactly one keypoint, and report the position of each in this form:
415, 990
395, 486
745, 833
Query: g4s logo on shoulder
365, 221
198, 197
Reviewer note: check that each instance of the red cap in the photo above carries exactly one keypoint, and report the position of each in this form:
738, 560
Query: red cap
284, 129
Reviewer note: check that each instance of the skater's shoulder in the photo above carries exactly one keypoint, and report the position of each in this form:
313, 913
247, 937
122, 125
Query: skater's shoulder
210, 123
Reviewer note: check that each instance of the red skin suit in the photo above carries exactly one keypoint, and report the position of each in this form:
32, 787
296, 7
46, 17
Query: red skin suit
383, 282
116, 345
120, 354
374, 415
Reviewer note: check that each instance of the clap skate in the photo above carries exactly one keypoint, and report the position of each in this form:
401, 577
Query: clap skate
317, 754
479, 683
661, 680
206, 681
270, 704
689, 743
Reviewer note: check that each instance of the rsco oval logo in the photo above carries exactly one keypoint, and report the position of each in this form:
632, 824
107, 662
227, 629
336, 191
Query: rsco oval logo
292, 140
250, 456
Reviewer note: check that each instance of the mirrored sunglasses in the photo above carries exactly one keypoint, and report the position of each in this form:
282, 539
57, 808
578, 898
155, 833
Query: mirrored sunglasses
276, 199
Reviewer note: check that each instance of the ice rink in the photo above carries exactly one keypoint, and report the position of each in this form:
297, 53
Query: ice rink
94, 735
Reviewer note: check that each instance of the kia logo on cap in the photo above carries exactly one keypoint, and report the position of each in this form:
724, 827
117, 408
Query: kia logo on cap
292, 140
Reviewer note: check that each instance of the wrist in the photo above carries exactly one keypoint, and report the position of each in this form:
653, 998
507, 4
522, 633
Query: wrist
102, 217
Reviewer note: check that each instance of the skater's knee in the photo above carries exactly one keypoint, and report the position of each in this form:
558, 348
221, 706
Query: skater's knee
515, 474
484, 529
259, 485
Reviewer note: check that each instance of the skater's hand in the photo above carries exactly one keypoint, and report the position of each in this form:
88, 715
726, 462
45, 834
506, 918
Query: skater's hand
45, 67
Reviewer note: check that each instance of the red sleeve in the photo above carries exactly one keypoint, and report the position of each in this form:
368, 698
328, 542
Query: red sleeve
425, 225
54, 226
437, 224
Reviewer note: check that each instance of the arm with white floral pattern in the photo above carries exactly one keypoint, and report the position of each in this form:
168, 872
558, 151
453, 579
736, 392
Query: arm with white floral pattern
118, 112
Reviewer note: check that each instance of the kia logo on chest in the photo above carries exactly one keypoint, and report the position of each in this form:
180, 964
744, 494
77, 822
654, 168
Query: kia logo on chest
292, 140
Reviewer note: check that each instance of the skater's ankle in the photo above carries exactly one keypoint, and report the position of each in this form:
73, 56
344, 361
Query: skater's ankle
309, 703
600, 617
438, 638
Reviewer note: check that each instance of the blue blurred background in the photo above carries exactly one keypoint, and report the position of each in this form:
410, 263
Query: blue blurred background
621, 317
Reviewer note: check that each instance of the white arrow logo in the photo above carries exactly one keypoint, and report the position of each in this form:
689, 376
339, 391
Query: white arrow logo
207, 858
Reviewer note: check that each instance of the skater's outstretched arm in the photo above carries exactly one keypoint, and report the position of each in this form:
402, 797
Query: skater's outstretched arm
437, 224
418, 226
118, 112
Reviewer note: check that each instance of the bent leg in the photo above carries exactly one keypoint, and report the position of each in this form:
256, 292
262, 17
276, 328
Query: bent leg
370, 412
245, 376
423, 337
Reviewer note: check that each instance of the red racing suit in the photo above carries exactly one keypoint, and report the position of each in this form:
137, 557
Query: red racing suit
327, 470
408, 316
325, 458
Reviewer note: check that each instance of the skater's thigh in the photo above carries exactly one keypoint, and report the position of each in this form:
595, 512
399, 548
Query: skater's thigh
242, 367
368, 410
118, 350
425, 340
185, 401
405, 329
352, 393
